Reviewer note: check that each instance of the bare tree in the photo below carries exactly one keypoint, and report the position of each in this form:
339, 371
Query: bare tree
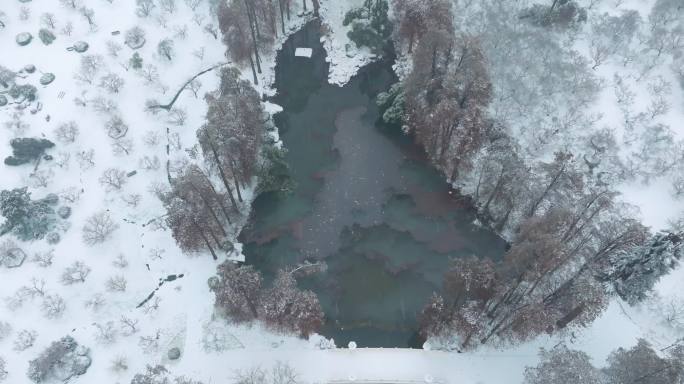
129, 326
113, 179
144, 7
116, 283
105, 333
112, 82
67, 132
48, 20
165, 49
98, 228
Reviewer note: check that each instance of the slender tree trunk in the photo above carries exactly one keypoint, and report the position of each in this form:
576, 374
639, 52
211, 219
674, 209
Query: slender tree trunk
254, 36
282, 16
304, 4
223, 174
236, 180
206, 241
220, 201
541, 198
211, 210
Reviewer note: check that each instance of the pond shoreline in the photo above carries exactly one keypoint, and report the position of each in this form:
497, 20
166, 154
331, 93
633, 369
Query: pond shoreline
368, 203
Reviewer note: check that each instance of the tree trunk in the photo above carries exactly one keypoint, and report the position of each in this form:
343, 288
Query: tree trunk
304, 4
282, 16
254, 36
236, 180
223, 175
211, 210
206, 241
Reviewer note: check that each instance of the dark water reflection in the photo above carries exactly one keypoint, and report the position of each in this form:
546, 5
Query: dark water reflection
366, 201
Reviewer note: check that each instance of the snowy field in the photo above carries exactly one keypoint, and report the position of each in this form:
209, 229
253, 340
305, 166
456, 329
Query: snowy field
99, 307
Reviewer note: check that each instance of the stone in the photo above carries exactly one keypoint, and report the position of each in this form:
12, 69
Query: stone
64, 212
47, 78
81, 46
3, 100
29, 68
24, 38
15, 258
174, 353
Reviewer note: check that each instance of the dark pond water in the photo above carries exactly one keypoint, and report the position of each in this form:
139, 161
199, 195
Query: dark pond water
366, 201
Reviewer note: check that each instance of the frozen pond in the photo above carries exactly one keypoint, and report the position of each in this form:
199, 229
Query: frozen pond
366, 201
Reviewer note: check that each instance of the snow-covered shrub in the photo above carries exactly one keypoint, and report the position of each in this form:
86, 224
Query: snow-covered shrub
27, 149
62, 360
67, 132
46, 36
25, 340
116, 283
98, 228
150, 344
53, 306
25, 218
135, 38
112, 82
144, 7
120, 261
116, 128
165, 49
135, 62
96, 302
75, 273
106, 333
119, 364
44, 259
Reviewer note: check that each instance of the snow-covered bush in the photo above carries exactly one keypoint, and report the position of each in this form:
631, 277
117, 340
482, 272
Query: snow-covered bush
27, 149
116, 128
135, 37
25, 340
112, 82
46, 36
53, 306
75, 273
25, 218
62, 360
106, 333
67, 132
165, 49
116, 283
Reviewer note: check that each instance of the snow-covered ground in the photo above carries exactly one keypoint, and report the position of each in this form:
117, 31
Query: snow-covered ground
184, 315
